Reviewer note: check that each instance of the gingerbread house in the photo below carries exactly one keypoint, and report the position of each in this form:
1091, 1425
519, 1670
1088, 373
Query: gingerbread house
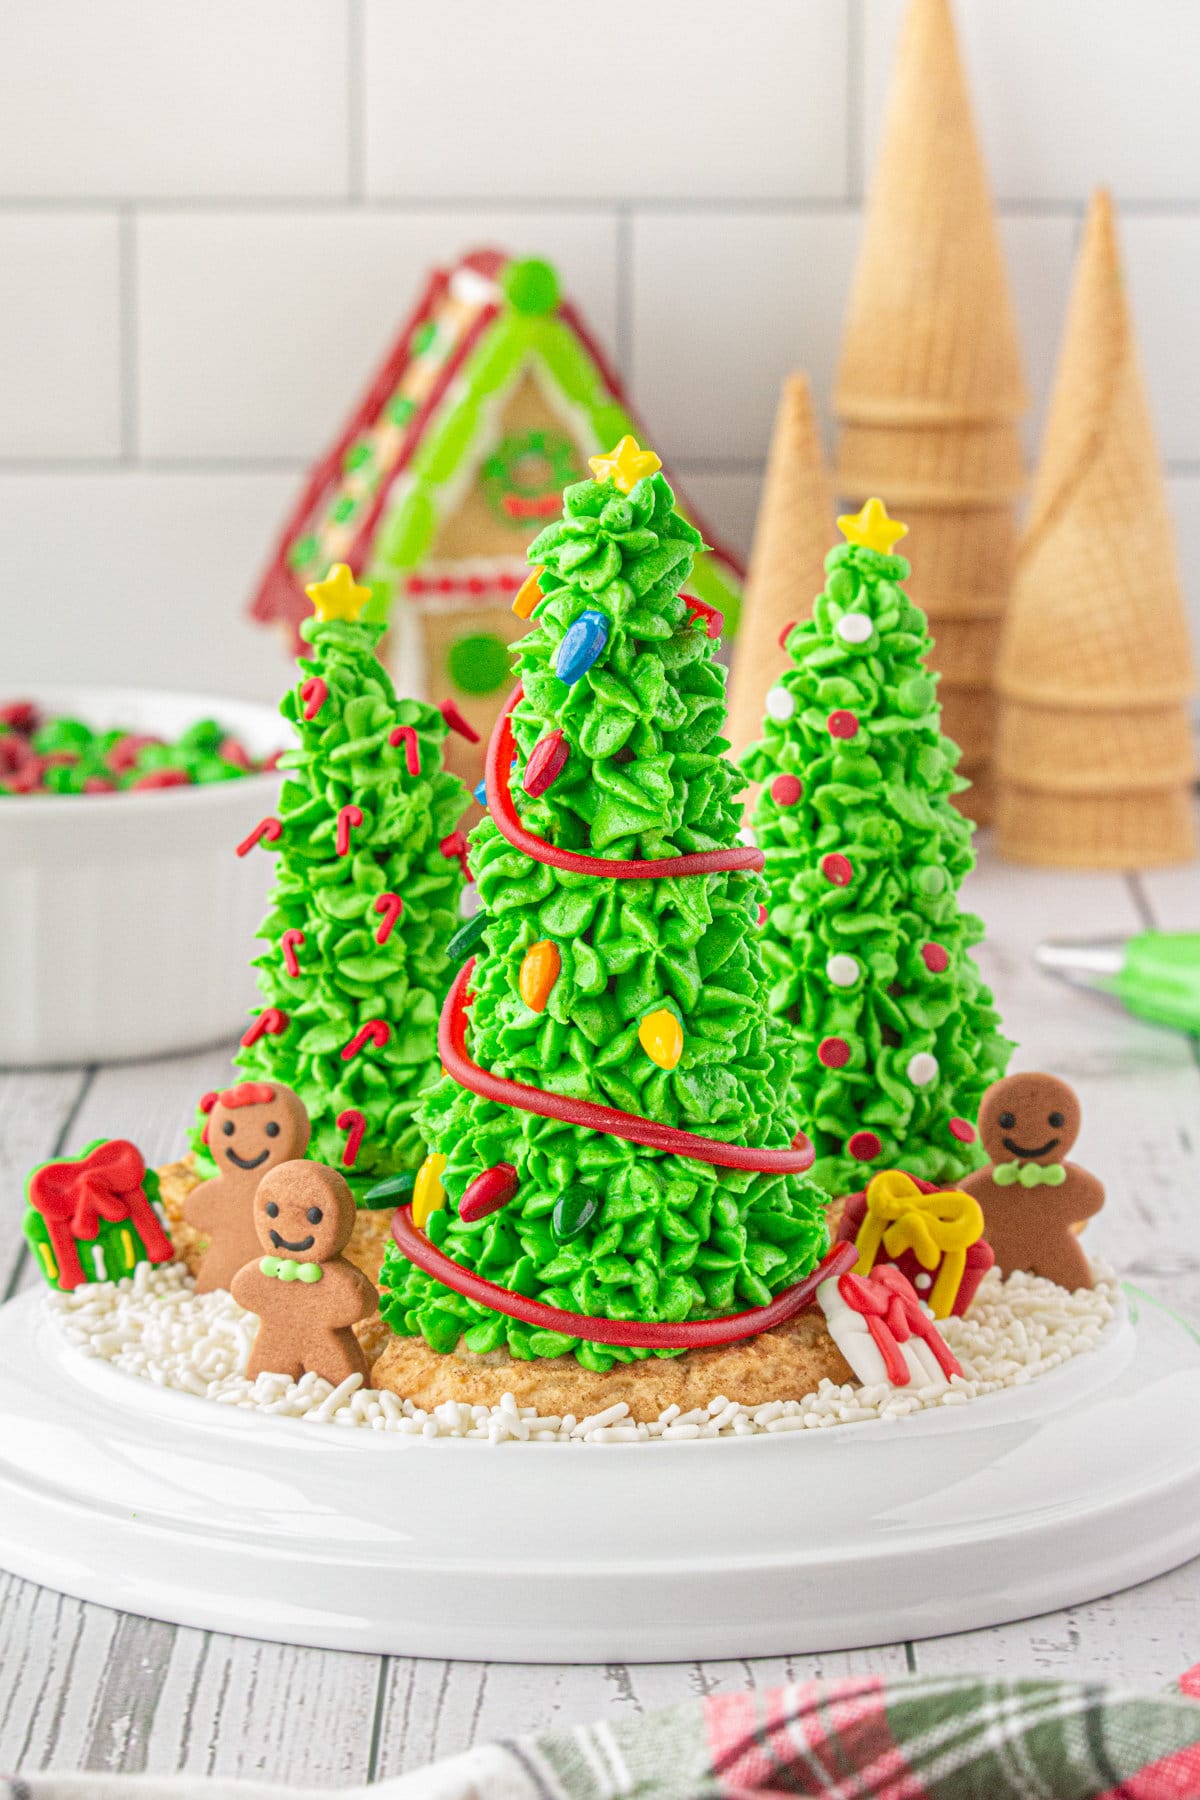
492, 398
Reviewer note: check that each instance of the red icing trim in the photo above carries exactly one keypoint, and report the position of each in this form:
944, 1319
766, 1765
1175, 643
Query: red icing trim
452, 1047
406, 735
266, 829
289, 943
349, 819
355, 1125
375, 1031
390, 906
635, 1334
503, 810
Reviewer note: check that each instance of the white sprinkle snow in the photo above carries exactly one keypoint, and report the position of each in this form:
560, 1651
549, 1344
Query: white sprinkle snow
155, 1326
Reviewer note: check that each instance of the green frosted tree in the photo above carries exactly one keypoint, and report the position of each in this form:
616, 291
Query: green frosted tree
645, 995
366, 898
867, 948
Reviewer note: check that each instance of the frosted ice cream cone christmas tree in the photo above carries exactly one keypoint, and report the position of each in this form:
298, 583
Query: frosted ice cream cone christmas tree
614, 1137
366, 898
865, 943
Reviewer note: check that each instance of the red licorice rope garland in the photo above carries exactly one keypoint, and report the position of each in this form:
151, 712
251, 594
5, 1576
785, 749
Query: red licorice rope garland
503, 810
634, 1334
452, 1047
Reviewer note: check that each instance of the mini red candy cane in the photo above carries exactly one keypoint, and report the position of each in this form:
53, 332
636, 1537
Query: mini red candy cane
354, 1124
407, 735
289, 943
714, 620
391, 906
266, 831
313, 694
375, 1031
456, 845
456, 722
269, 1023
348, 820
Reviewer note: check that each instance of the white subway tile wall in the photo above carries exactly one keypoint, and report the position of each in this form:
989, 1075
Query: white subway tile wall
214, 214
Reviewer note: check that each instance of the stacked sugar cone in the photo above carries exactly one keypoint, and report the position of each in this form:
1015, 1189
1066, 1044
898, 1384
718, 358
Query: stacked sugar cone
930, 390
1095, 761
787, 566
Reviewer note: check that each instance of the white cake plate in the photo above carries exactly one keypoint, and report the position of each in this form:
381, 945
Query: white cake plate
1083, 1482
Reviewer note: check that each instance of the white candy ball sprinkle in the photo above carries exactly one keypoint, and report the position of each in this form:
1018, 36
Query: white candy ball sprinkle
843, 970
780, 704
854, 628
922, 1068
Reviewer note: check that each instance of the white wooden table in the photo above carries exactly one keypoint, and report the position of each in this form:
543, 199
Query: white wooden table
82, 1687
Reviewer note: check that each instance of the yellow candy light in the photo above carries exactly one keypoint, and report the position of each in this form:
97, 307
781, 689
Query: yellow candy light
625, 465
661, 1036
339, 596
871, 528
429, 1196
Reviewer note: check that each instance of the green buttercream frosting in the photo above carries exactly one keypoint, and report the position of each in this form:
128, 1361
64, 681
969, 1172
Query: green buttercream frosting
880, 798
346, 978
599, 1225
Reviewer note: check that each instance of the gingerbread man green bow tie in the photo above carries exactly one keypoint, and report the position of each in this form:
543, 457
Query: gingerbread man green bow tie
1028, 1174
282, 1268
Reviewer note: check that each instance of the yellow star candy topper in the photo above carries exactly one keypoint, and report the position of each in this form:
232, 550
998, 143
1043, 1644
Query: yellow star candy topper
872, 528
626, 465
339, 596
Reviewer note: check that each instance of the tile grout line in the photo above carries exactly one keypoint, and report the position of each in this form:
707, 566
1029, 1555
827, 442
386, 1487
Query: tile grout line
56, 1150
802, 205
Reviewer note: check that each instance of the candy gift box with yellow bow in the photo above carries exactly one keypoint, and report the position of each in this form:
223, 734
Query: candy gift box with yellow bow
933, 1236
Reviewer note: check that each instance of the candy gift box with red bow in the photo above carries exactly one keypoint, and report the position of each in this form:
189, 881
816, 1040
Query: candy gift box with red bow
94, 1217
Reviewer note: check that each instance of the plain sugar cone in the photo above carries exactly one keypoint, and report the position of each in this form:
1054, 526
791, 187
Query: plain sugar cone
1137, 830
1064, 751
930, 334
1097, 617
787, 568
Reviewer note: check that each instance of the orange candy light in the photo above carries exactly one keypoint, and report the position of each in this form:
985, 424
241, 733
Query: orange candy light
540, 968
528, 594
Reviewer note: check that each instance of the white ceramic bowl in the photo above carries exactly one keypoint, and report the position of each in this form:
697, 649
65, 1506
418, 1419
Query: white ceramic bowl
127, 920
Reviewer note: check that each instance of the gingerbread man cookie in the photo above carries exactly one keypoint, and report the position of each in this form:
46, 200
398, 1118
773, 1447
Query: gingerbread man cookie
251, 1128
305, 1292
1033, 1201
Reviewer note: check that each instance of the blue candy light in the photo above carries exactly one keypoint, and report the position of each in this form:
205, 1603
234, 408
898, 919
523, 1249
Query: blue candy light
583, 643
481, 791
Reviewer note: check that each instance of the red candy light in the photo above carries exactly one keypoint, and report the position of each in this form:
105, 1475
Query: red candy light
714, 621
289, 943
391, 906
489, 1192
266, 831
349, 819
842, 724
936, 958
787, 790
269, 1023
547, 760
354, 1124
963, 1130
375, 1031
456, 722
837, 868
833, 1053
863, 1146
406, 735
313, 694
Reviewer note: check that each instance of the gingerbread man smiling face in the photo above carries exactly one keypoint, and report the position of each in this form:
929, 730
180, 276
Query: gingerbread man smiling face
1033, 1200
251, 1128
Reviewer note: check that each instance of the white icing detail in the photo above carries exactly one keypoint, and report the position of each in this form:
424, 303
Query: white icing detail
780, 704
923, 1280
99, 1264
922, 1068
746, 836
852, 1335
471, 288
469, 901
854, 628
843, 970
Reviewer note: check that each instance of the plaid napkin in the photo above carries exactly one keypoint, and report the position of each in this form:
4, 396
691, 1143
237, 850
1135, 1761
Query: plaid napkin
921, 1738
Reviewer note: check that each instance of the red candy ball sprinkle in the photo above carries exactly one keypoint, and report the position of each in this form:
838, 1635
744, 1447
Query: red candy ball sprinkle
936, 958
833, 1053
963, 1130
842, 724
762, 915
786, 790
864, 1145
837, 868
